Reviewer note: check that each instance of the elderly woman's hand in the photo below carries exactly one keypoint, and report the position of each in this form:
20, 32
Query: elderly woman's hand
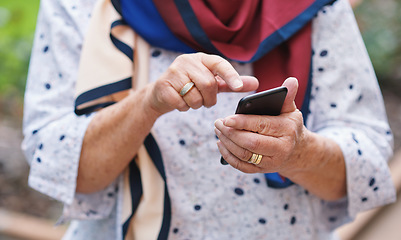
286, 147
279, 139
209, 73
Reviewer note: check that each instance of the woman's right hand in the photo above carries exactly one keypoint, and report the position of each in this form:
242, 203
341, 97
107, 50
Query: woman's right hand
109, 145
211, 74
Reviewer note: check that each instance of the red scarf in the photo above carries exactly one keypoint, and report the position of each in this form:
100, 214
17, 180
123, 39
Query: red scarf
275, 35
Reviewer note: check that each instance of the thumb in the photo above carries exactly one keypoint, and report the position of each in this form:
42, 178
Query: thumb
291, 84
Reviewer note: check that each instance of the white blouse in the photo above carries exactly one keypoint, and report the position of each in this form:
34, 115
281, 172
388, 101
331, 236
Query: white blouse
209, 200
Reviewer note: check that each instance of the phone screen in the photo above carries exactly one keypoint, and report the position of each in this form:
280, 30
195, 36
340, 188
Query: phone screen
268, 102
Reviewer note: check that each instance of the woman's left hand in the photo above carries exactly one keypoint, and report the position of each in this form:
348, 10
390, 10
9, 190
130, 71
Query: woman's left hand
279, 139
286, 146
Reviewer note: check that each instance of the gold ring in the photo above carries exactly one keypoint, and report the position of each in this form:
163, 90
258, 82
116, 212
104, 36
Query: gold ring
258, 160
186, 88
255, 158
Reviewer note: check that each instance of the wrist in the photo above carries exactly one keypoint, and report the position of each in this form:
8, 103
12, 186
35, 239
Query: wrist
308, 157
143, 99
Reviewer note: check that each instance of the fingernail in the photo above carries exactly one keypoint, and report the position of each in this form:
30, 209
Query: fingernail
218, 122
236, 84
229, 122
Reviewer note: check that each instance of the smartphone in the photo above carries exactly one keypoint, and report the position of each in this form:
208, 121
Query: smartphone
268, 102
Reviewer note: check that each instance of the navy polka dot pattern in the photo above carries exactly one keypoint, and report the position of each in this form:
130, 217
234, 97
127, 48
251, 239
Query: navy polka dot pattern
357, 102
332, 219
210, 201
156, 53
262, 221
323, 53
371, 182
239, 191
293, 220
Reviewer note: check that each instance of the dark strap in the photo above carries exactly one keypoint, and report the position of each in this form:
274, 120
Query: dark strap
124, 48
137, 191
111, 88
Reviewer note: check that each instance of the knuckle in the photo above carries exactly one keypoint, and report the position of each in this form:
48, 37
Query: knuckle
217, 61
201, 55
244, 155
229, 133
173, 69
197, 102
263, 125
209, 84
182, 106
297, 117
230, 74
210, 102
236, 165
183, 109
196, 106
181, 58
254, 144
293, 132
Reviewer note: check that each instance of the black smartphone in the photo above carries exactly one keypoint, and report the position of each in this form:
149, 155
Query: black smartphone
268, 102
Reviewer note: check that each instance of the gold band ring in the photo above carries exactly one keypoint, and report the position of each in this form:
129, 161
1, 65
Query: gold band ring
255, 158
258, 160
186, 88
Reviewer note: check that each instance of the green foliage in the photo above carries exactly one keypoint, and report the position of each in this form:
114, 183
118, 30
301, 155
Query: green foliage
17, 26
380, 24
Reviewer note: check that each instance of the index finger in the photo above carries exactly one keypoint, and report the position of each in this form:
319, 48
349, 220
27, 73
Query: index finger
222, 68
249, 84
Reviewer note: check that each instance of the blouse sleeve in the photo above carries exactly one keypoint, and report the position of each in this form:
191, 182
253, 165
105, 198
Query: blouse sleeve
346, 106
53, 134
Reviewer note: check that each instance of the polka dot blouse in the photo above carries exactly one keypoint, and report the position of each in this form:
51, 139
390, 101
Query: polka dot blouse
209, 200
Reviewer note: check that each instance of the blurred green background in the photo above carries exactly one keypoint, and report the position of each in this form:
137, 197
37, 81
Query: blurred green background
379, 21
17, 26
380, 24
